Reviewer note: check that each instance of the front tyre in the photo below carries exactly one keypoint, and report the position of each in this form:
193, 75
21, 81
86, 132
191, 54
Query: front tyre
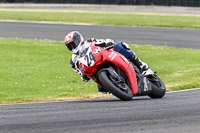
107, 82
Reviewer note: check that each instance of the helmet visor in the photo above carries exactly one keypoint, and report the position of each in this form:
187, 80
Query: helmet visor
71, 46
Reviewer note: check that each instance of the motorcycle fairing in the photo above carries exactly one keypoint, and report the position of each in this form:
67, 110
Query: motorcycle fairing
121, 61
99, 56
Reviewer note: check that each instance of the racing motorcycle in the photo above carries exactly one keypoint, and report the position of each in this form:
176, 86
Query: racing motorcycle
117, 74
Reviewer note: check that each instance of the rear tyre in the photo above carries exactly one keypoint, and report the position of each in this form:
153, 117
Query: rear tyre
125, 95
158, 87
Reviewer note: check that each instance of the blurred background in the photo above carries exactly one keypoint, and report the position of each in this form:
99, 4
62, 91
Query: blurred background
192, 3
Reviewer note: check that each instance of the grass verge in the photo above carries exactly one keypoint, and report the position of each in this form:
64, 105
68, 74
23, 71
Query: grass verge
130, 19
33, 70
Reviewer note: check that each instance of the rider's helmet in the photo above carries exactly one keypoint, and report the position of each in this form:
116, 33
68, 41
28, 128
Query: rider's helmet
73, 40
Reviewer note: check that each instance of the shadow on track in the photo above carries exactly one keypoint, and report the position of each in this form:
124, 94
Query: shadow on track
113, 100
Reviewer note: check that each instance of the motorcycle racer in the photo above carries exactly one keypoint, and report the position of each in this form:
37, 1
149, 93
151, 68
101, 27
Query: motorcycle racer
75, 42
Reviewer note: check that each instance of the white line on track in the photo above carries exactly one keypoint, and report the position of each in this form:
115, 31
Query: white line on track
184, 90
195, 89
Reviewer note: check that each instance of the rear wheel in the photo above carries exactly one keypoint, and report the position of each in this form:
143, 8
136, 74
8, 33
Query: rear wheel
158, 87
118, 88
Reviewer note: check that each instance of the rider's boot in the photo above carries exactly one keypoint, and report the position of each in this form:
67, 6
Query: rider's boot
138, 63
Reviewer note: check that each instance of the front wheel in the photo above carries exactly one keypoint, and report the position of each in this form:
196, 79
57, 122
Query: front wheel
158, 87
116, 89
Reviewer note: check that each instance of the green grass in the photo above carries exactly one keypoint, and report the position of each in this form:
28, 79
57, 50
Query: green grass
105, 18
33, 70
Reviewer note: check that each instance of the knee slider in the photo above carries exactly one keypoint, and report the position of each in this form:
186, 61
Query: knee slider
123, 49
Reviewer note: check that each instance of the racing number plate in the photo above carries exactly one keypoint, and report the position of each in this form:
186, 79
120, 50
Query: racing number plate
87, 58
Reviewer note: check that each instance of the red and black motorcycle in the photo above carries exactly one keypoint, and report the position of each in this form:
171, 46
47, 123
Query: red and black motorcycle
118, 75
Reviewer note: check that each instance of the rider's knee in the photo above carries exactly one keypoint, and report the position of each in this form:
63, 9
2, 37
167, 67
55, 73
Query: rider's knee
124, 49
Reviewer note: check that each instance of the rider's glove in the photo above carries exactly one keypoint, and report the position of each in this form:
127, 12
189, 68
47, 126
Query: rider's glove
109, 42
84, 78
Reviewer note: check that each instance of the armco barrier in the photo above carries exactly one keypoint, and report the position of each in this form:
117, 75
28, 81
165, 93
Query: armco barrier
194, 3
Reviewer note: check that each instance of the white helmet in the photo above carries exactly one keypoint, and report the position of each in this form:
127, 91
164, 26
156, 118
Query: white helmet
73, 41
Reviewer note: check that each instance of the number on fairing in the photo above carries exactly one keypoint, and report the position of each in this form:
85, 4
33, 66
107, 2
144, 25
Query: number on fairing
89, 58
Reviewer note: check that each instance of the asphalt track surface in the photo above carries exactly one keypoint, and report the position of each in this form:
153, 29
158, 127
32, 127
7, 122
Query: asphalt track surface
177, 112
173, 37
